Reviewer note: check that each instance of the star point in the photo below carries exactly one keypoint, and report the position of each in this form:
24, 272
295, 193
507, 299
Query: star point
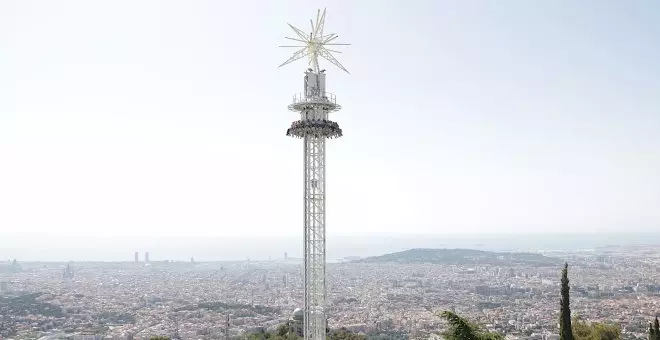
313, 45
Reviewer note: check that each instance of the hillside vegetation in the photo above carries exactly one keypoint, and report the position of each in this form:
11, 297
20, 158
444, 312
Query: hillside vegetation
463, 257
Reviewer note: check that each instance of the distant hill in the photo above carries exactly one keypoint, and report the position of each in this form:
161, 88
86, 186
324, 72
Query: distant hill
463, 257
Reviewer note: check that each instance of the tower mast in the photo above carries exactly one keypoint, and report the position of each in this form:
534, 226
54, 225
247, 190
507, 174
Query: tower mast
314, 105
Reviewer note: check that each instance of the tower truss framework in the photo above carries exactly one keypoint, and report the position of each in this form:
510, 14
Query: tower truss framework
314, 127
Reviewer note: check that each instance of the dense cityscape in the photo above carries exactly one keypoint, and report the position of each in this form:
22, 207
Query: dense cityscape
137, 131
399, 295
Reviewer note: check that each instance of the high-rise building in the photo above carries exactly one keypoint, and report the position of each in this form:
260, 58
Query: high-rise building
146, 256
68, 272
137, 257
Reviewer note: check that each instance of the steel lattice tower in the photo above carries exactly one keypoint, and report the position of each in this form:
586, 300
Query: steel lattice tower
314, 105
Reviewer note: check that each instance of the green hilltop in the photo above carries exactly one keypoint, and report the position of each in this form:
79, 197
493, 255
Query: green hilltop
463, 257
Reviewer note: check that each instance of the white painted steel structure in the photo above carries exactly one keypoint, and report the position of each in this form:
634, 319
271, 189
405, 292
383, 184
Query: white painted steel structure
314, 127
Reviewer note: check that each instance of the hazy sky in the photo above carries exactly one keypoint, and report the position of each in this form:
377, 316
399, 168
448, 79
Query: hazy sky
139, 117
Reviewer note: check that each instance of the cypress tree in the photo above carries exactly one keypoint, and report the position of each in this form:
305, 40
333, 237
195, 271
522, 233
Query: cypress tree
651, 332
565, 328
656, 329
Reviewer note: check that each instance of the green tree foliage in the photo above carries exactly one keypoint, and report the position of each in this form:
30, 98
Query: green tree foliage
344, 334
236, 308
565, 329
462, 329
651, 332
595, 331
159, 338
262, 335
26, 304
654, 330
283, 333
282, 330
387, 335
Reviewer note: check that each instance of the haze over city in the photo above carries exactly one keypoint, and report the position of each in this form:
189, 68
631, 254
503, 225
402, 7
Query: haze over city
167, 118
486, 171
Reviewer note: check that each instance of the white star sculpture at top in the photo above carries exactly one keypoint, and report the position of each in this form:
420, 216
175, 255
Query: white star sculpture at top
313, 45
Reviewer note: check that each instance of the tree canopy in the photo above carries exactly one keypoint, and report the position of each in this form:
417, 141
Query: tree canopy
654, 330
565, 328
595, 331
283, 333
462, 329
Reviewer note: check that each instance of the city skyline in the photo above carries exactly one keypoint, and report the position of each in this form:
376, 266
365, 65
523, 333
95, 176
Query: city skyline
401, 294
491, 118
118, 248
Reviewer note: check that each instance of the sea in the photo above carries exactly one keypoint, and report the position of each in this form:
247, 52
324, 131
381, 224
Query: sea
113, 248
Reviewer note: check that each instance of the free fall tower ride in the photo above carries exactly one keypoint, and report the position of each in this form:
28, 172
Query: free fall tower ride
314, 105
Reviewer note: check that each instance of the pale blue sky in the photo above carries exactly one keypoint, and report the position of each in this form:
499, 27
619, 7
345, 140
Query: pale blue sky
169, 117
